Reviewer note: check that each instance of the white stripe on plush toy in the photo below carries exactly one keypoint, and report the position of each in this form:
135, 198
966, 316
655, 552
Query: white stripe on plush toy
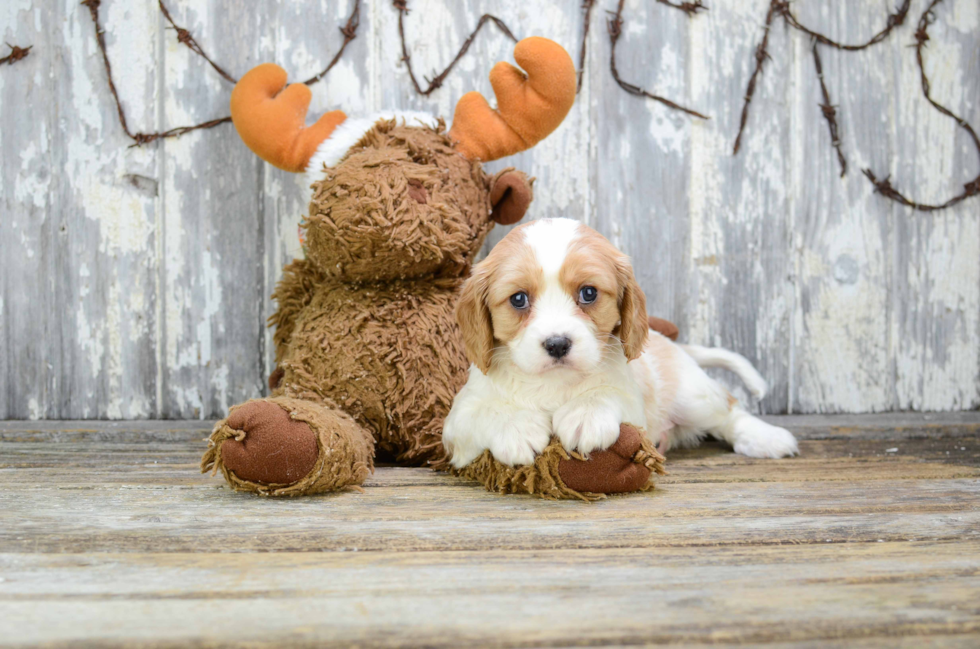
350, 131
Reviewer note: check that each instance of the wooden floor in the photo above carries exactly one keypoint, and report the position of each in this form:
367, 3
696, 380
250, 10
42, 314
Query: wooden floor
110, 536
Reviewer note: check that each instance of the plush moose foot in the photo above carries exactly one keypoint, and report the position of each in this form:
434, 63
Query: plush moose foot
625, 466
289, 447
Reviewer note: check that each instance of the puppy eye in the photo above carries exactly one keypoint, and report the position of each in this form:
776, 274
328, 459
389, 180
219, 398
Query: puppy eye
588, 294
519, 300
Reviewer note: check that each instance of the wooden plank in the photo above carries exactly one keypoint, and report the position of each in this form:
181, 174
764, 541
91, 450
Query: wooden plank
78, 234
861, 541
936, 301
643, 206
212, 279
546, 598
163, 467
135, 282
740, 294
882, 426
133, 518
888, 426
843, 232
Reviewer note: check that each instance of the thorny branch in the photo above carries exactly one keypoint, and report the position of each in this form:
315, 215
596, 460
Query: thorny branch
690, 8
894, 20
777, 8
185, 37
781, 8
436, 82
349, 32
761, 54
884, 186
829, 112
615, 27
16, 54
586, 23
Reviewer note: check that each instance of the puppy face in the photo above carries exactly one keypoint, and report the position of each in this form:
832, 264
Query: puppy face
558, 295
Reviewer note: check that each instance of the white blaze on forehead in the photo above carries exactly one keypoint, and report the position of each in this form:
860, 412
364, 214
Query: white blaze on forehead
550, 239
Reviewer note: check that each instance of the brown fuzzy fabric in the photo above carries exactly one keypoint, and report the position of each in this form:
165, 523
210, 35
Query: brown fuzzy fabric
665, 328
624, 467
389, 355
293, 293
269, 446
367, 223
543, 478
349, 461
366, 341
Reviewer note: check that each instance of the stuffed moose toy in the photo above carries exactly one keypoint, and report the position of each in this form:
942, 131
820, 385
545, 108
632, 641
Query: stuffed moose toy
368, 353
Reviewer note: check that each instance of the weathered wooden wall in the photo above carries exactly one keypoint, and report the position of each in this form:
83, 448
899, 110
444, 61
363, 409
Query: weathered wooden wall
134, 282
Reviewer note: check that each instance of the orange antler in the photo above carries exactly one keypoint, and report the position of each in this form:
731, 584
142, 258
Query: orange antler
530, 107
270, 117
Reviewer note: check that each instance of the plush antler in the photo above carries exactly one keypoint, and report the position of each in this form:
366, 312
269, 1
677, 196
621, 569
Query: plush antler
271, 118
529, 106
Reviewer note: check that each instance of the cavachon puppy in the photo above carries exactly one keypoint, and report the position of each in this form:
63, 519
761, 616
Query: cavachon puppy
556, 328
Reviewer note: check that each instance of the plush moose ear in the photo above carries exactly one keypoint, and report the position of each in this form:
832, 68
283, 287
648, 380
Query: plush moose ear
529, 106
270, 117
665, 328
634, 326
511, 193
473, 317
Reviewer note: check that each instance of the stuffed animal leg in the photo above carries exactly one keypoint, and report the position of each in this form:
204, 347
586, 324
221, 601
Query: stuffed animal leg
286, 447
628, 465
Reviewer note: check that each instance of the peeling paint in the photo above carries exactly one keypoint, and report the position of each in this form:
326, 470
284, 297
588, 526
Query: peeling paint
845, 301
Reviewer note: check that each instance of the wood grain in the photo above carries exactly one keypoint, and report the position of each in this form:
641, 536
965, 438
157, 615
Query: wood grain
586, 596
134, 282
109, 536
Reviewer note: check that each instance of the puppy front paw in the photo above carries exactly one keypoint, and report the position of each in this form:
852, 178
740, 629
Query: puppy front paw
520, 440
585, 427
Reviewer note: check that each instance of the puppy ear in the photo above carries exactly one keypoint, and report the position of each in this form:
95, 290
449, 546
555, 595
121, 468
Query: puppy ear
511, 193
473, 317
634, 326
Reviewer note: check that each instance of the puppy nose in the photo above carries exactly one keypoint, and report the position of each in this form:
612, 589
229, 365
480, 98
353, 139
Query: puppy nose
557, 346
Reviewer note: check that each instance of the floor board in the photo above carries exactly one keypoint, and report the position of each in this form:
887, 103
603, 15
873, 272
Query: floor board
109, 535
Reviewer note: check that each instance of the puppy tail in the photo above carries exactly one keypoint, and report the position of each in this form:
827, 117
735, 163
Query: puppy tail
717, 357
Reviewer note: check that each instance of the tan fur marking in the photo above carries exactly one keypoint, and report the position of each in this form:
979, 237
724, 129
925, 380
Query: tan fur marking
591, 261
484, 313
663, 356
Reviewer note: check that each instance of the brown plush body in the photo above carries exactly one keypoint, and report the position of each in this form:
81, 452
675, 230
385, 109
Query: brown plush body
365, 335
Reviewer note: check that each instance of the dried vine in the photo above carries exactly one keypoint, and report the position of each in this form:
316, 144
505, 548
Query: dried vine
894, 20
829, 112
761, 54
781, 8
185, 37
884, 186
16, 54
436, 82
690, 8
586, 23
349, 31
615, 27
777, 8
